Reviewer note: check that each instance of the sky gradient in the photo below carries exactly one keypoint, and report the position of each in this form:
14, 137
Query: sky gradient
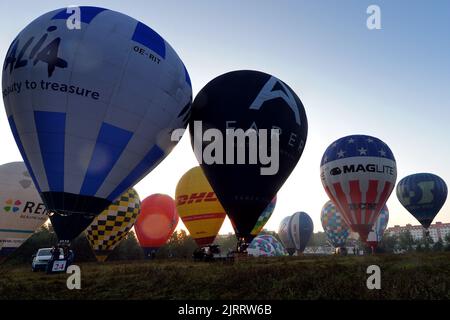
391, 83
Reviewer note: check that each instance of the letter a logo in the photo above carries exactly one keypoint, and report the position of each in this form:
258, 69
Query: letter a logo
276, 89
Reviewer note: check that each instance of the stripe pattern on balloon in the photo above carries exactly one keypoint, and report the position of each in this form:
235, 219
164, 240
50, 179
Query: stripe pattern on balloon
358, 173
98, 116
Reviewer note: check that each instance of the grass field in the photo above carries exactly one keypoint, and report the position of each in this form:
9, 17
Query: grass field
416, 276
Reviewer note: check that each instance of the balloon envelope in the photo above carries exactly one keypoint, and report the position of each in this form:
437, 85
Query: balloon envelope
261, 248
68, 226
198, 207
156, 222
285, 235
111, 226
264, 217
358, 173
333, 224
22, 211
423, 195
247, 100
301, 228
92, 109
279, 249
378, 228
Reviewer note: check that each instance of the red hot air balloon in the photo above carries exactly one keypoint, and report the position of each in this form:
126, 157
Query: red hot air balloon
156, 222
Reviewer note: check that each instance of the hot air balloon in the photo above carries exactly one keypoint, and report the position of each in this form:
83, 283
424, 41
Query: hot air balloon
92, 108
22, 211
198, 207
261, 248
285, 236
279, 249
301, 228
423, 195
358, 173
111, 226
378, 229
235, 118
264, 217
156, 223
333, 224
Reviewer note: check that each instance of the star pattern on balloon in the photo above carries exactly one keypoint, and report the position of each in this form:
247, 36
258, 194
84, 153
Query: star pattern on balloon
361, 146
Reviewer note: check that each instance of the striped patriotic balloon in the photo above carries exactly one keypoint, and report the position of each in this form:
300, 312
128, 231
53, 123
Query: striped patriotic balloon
358, 173
333, 224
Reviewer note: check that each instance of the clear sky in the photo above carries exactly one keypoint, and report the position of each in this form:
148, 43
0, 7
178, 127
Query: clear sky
391, 83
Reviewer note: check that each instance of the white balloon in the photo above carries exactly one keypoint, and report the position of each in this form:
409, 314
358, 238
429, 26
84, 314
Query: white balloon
92, 109
21, 211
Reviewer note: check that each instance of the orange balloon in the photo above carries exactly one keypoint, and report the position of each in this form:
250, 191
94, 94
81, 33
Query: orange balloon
156, 222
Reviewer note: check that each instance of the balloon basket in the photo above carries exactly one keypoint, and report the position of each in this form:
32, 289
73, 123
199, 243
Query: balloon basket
211, 253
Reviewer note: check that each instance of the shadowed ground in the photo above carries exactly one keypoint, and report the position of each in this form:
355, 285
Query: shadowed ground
417, 276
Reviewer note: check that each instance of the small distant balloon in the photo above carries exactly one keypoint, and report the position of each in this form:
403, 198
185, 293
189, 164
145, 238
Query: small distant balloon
285, 236
336, 229
375, 236
265, 246
301, 228
423, 195
279, 249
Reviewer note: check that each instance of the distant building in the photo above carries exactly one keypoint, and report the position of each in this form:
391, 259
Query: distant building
437, 231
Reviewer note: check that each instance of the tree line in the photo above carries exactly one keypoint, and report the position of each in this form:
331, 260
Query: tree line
181, 245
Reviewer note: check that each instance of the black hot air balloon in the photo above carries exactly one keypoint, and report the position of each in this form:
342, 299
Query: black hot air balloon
244, 180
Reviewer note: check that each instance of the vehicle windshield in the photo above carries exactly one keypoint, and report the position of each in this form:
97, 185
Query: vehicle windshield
45, 252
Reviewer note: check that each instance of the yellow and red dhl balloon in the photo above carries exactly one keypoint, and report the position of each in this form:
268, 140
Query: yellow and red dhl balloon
198, 207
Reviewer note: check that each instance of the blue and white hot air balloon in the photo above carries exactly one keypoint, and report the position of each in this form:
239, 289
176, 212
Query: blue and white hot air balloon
92, 107
285, 236
423, 195
301, 228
